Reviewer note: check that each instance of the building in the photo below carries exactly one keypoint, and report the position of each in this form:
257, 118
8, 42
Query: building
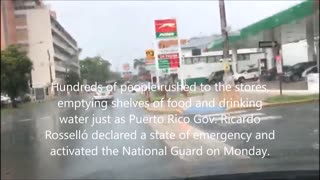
296, 31
198, 63
33, 26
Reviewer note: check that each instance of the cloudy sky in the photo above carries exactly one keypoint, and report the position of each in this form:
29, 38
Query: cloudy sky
121, 31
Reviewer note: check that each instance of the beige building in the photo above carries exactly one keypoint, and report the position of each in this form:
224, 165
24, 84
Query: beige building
51, 48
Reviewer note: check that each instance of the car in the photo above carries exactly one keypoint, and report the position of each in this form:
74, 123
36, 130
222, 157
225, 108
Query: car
249, 74
215, 77
294, 73
271, 74
312, 69
103, 94
5, 99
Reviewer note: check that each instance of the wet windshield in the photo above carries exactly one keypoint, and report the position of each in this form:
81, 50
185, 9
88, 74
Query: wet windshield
159, 89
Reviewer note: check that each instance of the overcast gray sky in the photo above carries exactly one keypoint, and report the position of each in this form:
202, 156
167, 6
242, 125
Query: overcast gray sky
121, 31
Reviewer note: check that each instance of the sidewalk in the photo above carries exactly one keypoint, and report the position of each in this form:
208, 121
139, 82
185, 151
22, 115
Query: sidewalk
214, 96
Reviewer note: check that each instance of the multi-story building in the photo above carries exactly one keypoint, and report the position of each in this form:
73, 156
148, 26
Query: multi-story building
51, 48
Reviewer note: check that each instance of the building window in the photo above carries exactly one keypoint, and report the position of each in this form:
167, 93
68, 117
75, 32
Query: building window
243, 57
211, 59
22, 34
47, 91
247, 56
187, 61
195, 60
203, 59
21, 20
23, 47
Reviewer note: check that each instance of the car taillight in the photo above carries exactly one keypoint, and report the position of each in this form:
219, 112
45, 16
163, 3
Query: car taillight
110, 93
96, 94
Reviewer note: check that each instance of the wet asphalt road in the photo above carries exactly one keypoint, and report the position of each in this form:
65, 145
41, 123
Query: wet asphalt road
25, 152
296, 130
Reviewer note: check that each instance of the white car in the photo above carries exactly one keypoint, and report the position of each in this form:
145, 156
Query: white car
103, 94
246, 75
312, 69
5, 99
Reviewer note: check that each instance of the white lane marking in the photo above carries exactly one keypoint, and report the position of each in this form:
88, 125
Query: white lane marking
315, 131
270, 118
219, 114
24, 120
315, 146
46, 117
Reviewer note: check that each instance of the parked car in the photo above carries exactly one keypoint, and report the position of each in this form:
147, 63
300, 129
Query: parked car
249, 74
216, 77
294, 73
5, 99
312, 69
103, 94
271, 74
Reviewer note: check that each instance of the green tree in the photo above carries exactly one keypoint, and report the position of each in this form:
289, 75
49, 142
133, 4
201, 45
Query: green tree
95, 69
15, 69
115, 76
72, 78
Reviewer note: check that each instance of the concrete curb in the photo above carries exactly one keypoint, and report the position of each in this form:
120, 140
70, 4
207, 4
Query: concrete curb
180, 110
275, 104
165, 111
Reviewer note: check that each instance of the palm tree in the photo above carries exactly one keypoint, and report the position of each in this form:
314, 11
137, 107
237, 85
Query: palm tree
140, 64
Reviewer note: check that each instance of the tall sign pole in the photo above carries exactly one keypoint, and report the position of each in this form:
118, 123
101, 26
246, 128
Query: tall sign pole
168, 59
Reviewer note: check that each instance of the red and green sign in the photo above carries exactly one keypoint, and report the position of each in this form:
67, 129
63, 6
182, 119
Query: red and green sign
166, 28
169, 61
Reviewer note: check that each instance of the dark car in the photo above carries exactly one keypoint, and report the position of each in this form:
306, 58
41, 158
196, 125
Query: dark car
215, 77
294, 73
271, 74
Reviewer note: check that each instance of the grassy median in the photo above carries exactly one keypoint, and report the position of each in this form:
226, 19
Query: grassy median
286, 98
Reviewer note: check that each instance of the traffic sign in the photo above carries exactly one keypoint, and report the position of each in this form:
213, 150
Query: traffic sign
165, 71
173, 59
166, 28
164, 63
168, 50
267, 44
126, 67
226, 67
149, 56
279, 64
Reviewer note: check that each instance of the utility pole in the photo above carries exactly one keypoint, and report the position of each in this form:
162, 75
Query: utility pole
227, 75
224, 31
